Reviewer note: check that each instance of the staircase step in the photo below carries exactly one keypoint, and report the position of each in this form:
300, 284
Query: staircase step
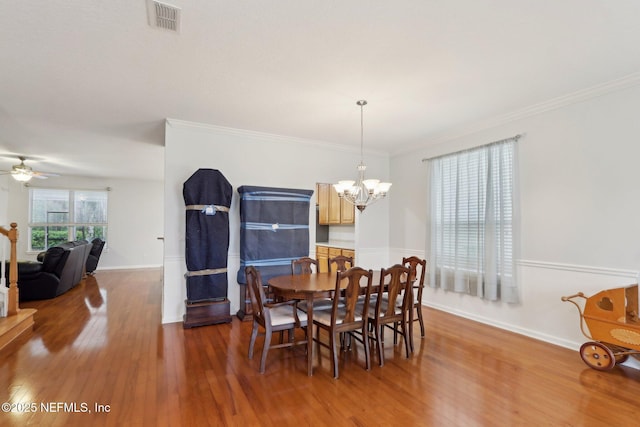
13, 326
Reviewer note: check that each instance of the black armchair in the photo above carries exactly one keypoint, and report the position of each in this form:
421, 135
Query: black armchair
97, 245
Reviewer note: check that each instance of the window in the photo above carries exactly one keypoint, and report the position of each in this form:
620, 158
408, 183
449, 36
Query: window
472, 222
57, 216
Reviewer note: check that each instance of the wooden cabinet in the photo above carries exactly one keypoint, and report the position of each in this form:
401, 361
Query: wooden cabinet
322, 193
347, 212
349, 253
335, 206
334, 252
332, 209
323, 253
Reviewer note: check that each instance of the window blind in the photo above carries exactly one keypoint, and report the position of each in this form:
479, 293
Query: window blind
472, 208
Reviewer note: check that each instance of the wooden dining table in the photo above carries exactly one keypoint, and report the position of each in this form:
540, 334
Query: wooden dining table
309, 287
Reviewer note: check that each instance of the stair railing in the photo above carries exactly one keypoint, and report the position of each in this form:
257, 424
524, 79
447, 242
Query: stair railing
12, 235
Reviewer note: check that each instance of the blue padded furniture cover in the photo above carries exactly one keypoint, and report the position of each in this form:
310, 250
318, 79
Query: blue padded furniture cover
274, 229
207, 197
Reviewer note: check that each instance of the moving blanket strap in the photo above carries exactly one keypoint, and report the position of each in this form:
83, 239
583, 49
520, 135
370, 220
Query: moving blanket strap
272, 227
208, 209
267, 262
205, 272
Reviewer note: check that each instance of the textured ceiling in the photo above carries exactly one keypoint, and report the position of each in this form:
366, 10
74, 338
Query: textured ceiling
85, 85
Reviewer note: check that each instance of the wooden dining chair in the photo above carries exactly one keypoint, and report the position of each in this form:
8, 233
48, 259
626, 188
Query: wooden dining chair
342, 263
348, 314
418, 269
304, 266
272, 317
392, 307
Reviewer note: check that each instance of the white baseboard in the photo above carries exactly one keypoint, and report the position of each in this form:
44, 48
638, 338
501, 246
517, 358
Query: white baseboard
507, 327
130, 267
172, 320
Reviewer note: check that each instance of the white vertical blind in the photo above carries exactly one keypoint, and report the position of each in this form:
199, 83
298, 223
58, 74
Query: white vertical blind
472, 222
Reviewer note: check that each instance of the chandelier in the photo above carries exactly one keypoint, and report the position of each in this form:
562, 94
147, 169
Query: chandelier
363, 192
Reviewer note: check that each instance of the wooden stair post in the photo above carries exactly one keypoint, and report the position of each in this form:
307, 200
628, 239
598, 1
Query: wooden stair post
12, 303
17, 321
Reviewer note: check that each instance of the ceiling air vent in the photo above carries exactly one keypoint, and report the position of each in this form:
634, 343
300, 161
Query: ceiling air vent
164, 16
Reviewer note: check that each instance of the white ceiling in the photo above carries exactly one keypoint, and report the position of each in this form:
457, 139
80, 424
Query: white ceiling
85, 85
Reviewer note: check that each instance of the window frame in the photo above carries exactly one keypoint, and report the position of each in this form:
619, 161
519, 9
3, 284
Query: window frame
70, 224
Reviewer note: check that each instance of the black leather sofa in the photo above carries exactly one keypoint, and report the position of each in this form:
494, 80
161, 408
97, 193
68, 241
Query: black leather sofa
62, 267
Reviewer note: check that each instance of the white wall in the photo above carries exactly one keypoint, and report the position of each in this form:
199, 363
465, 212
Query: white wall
4, 200
580, 200
135, 218
4, 222
251, 158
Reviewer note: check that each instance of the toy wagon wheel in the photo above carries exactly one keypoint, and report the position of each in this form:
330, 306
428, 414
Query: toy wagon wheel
597, 356
621, 358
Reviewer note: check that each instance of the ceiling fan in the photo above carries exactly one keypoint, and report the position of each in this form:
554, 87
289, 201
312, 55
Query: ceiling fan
24, 173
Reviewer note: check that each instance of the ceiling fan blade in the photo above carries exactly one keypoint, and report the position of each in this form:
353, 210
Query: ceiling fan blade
43, 175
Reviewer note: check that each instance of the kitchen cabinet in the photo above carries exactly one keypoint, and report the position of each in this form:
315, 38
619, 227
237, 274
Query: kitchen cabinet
349, 253
333, 210
323, 253
322, 193
347, 211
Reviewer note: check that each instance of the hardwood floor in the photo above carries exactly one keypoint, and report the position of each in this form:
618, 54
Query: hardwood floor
102, 343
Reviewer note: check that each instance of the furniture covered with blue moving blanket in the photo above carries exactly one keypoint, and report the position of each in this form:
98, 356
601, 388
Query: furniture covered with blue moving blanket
207, 197
274, 230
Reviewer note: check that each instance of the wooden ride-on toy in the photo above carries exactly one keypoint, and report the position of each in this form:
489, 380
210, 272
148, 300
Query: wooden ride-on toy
611, 317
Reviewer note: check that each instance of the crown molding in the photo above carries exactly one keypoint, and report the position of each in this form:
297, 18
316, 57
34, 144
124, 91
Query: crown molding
532, 110
269, 137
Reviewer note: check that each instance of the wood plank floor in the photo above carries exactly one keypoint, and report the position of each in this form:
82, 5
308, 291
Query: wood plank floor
103, 344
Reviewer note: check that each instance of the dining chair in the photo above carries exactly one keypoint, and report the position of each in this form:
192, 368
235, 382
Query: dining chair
272, 317
342, 263
303, 265
348, 314
392, 307
418, 269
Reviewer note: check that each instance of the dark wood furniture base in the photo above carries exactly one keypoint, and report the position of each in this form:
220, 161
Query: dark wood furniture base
206, 313
246, 311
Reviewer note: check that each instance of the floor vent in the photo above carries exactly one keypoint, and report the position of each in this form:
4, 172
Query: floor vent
163, 16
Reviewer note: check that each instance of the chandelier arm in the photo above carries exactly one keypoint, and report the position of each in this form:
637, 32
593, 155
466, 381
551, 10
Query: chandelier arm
362, 193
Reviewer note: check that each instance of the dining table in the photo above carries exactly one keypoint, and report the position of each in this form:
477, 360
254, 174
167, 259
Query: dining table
309, 287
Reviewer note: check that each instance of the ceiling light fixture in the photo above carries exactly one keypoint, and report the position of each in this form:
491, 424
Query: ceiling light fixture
22, 172
363, 192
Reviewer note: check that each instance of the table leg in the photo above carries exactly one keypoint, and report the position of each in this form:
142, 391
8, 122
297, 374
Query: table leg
310, 334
